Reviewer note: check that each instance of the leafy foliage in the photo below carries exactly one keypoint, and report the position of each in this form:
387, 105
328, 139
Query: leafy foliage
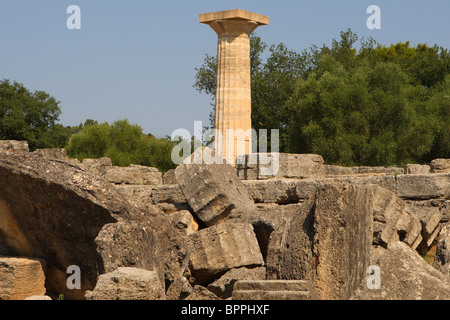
123, 142
353, 104
30, 116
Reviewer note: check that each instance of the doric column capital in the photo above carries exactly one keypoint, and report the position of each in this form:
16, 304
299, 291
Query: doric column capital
234, 22
233, 27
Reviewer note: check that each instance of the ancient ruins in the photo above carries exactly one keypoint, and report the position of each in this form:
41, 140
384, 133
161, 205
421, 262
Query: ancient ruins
312, 231
233, 94
306, 231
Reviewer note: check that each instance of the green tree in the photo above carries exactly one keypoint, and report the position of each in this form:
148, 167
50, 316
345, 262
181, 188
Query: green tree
123, 142
369, 115
353, 103
30, 116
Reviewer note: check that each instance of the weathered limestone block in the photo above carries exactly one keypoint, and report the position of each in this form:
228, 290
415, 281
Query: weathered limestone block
405, 276
213, 191
385, 181
21, 278
217, 249
39, 298
167, 194
332, 170
223, 287
128, 244
274, 290
442, 259
134, 174
440, 166
393, 221
418, 169
289, 253
430, 218
262, 166
280, 191
13, 146
98, 166
429, 186
184, 222
53, 153
380, 170
169, 177
169, 208
268, 218
179, 289
342, 221
328, 241
200, 293
47, 208
128, 284
54, 210
136, 194
284, 191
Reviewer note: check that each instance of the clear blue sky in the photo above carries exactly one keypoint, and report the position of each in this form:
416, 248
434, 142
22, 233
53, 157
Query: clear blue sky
135, 59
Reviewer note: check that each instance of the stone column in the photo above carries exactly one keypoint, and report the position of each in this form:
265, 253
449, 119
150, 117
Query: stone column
233, 93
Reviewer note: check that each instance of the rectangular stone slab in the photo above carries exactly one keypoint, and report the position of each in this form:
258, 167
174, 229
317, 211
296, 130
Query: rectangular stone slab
21, 278
233, 14
213, 191
217, 249
274, 290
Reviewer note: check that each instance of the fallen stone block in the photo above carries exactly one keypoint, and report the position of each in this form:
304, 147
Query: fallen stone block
213, 191
179, 289
184, 222
141, 195
169, 177
52, 153
420, 187
442, 259
14, 146
223, 287
404, 275
21, 278
167, 194
261, 166
98, 166
418, 169
385, 181
328, 241
430, 218
274, 290
285, 191
128, 284
54, 210
200, 293
134, 174
128, 244
217, 249
393, 222
343, 221
169, 208
440, 166
280, 191
380, 170
332, 170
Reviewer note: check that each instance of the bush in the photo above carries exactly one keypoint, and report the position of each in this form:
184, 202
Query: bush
124, 143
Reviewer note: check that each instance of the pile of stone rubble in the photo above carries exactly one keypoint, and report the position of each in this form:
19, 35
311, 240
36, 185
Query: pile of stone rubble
206, 232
